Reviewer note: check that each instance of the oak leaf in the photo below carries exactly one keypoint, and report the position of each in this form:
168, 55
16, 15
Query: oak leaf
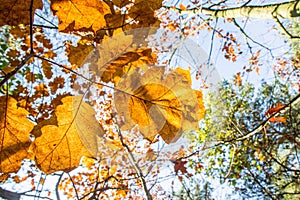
14, 135
77, 15
15, 12
158, 103
61, 146
179, 166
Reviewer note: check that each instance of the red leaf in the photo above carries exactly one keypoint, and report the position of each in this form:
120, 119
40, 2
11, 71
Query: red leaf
273, 110
179, 166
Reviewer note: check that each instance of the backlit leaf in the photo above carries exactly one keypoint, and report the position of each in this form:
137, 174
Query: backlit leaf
80, 15
14, 135
159, 105
61, 146
278, 119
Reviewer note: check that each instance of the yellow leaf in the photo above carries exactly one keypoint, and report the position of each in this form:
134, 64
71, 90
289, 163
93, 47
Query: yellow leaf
185, 73
114, 57
80, 15
77, 54
159, 104
14, 135
182, 7
15, 12
88, 162
61, 146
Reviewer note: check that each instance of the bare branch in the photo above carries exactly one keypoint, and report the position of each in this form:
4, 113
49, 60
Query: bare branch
282, 27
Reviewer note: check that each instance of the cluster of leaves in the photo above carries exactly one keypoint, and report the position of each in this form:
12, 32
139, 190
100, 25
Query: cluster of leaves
252, 148
40, 120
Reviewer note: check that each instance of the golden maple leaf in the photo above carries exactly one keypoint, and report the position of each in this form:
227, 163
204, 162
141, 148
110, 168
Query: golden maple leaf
114, 57
15, 12
80, 15
165, 106
60, 146
14, 135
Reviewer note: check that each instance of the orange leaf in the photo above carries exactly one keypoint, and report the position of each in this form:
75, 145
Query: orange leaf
114, 57
238, 79
80, 15
14, 134
159, 103
277, 119
182, 7
273, 110
61, 146
77, 55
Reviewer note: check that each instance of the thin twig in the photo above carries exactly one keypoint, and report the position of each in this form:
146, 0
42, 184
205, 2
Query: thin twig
247, 36
136, 167
57, 186
282, 27
31, 27
231, 161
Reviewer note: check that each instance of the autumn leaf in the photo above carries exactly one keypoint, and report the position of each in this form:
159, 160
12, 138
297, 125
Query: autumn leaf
61, 146
238, 79
179, 166
140, 15
143, 12
77, 55
14, 135
182, 7
277, 119
77, 15
165, 106
15, 12
114, 57
275, 109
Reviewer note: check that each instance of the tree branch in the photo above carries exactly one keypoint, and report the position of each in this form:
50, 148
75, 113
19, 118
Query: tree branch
136, 167
12, 73
256, 130
286, 10
6, 194
284, 30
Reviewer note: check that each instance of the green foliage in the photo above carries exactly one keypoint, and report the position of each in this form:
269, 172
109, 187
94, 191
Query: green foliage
295, 31
3, 47
264, 165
